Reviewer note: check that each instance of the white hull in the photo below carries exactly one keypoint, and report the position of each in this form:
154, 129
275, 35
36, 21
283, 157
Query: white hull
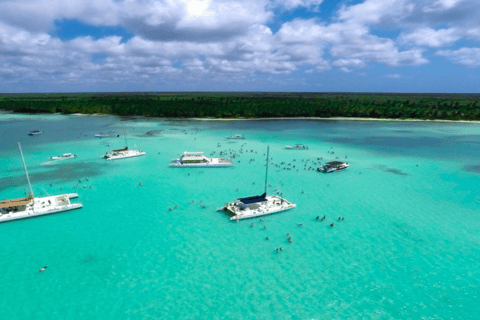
273, 205
62, 158
296, 148
201, 165
124, 155
43, 206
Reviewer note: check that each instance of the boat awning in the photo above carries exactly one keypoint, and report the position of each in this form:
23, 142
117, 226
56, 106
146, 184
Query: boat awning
334, 163
120, 150
254, 199
15, 202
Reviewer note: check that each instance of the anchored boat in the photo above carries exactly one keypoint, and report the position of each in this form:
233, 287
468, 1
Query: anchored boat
123, 153
35, 132
297, 147
32, 206
64, 156
333, 166
197, 159
107, 135
257, 206
237, 136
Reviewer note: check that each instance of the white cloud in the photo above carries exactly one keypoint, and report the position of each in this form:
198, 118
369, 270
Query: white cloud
292, 4
431, 37
441, 5
465, 56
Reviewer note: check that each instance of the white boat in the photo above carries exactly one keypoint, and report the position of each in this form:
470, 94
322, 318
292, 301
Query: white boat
333, 166
107, 135
197, 159
32, 206
123, 153
257, 206
35, 132
237, 136
297, 147
64, 156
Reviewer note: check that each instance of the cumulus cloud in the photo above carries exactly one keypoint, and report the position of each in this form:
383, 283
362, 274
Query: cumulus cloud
465, 56
225, 40
431, 37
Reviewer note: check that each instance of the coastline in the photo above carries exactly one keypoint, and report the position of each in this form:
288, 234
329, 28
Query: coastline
333, 119
264, 119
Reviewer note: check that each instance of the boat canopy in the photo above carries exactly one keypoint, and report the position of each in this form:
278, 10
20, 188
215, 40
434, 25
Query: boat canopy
254, 199
120, 150
334, 163
15, 202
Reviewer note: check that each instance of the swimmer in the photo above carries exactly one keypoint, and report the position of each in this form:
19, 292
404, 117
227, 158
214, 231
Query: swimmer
277, 250
318, 217
170, 209
43, 269
300, 224
267, 238
281, 249
289, 239
331, 225
141, 184
264, 227
252, 224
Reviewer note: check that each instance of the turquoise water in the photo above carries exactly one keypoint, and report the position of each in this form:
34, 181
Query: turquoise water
407, 249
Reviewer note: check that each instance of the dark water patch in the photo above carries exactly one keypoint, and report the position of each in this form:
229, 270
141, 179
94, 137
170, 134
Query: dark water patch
403, 131
343, 140
472, 168
56, 174
390, 170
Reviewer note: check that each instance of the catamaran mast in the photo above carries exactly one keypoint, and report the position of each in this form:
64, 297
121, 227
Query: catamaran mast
25, 168
266, 173
125, 135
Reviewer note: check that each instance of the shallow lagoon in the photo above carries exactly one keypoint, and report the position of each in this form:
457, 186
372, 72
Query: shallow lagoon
408, 247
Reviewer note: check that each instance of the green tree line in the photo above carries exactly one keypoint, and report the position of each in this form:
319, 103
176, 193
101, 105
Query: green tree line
249, 105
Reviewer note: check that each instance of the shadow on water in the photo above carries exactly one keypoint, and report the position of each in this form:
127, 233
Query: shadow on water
471, 168
55, 174
390, 170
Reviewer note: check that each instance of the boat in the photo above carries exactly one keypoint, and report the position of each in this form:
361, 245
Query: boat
237, 136
333, 166
297, 147
153, 132
35, 132
257, 206
64, 156
31, 206
123, 153
107, 135
197, 159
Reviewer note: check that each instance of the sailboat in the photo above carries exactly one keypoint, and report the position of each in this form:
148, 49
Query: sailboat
123, 153
257, 206
32, 206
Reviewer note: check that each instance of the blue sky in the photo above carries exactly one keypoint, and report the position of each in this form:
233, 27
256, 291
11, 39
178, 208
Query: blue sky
233, 45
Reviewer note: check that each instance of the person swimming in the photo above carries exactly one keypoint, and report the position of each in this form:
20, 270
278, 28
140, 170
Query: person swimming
43, 269
318, 217
331, 225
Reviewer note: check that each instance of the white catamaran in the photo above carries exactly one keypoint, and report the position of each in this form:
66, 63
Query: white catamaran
257, 206
197, 159
64, 156
123, 153
32, 206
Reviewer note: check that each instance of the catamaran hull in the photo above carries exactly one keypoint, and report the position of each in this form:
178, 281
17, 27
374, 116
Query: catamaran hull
178, 165
261, 214
69, 207
128, 156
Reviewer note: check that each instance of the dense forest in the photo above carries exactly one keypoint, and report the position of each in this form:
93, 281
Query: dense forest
251, 105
